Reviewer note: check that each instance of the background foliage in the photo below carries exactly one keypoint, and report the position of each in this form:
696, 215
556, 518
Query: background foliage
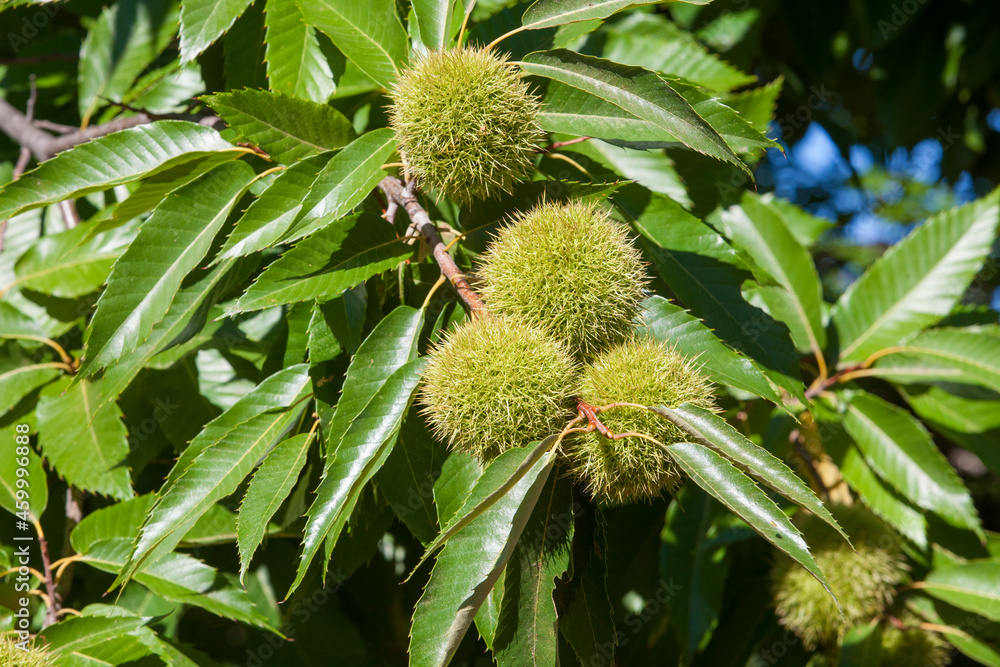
237, 455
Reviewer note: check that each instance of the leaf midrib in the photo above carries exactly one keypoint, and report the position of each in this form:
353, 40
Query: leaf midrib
581, 10
608, 86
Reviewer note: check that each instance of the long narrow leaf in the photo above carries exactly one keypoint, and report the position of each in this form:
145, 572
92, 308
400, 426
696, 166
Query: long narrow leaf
900, 451
225, 458
472, 560
735, 490
369, 33
638, 91
362, 451
146, 277
271, 484
109, 161
917, 281
714, 431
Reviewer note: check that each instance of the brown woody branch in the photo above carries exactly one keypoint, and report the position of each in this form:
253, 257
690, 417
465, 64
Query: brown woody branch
43, 145
401, 196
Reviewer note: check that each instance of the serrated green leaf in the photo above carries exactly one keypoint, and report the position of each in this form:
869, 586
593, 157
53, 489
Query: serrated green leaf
274, 211
955, 355
279, 389
574, 111
689, 335
736, 491
109, 161
705, 272
118, 521
738, 132
167, 89
370, 34
757, 106
435, 18
17, 380
324, 265
362, 451
295, 64
180, 578
760, 231
917, 281
79, 633
967, 415
638, 91
656, 43
481, 497
146, 277
204, 21
715, 432
86, 446
13, 456
72, 263
955, 626
459, 473
899, 449
344, 182
473, 558
268, 489
879, 498
228, 449
408, 475
652, 169
286, 128
120, 44
570, 110
528, 629
804, 226
549, 13
186, 316
244, 50
973, 586
152, 190
390, 345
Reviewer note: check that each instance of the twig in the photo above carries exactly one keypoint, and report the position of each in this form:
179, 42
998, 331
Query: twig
25, 157
55, 127
67, 209
818, 388
404, 196
74, 515
52, 610
43, 145
560, 144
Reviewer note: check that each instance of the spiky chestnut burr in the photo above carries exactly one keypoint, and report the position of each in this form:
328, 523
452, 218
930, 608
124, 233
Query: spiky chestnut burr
466, 123
863, 581
568, 268
12, 656
644, 372
497, 383
912, 646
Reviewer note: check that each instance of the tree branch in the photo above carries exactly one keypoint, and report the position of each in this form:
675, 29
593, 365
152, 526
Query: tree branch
43, 145
403, 196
